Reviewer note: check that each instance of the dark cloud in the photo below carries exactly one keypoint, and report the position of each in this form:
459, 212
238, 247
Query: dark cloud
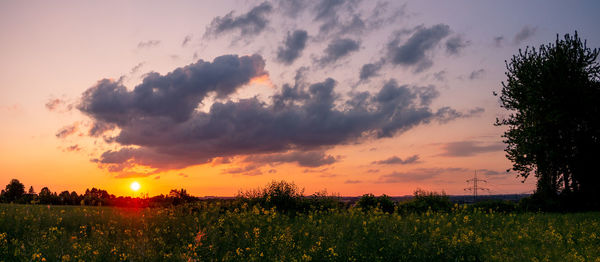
370, 70
326, 11
148, 44
446, 114
525, 33
186, 40
67, 131
417, 175
338, 49
305, 159
415, 52
249, 24
160, 127
292, 47
394, 160
469, 148
476, 74
455, 44
352, 182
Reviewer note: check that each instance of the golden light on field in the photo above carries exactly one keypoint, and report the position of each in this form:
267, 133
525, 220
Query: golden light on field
135, 186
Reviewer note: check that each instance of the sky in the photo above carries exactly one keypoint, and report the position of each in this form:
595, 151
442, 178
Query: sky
347, 96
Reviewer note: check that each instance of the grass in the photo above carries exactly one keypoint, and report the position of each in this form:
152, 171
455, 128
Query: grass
208, 232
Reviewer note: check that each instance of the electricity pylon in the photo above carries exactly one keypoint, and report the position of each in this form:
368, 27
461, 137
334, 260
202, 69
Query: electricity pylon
475, 188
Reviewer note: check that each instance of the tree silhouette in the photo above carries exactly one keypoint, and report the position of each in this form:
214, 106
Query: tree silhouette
553, 96
14, 191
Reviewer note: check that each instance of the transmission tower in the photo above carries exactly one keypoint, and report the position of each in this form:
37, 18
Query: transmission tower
476, 188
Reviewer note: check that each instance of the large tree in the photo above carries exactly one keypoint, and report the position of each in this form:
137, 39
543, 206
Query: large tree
14, 190
552, 95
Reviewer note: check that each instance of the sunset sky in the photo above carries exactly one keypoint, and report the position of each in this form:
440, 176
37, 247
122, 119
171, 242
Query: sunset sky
349, 96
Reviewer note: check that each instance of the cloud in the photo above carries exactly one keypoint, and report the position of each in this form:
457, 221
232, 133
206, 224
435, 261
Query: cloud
352, 182
489, 172
455, 44
182, 175
54, 103
394, 160
186, 40
370, 70
416, 51
338, 49
476, 74
136, 68
249, 170
73, 148
67, 131
292, 47
417, 175
373, 171
292, 8
470, 148
525, 33
440, 76
148, 44
249, 24
304, 159
157, 124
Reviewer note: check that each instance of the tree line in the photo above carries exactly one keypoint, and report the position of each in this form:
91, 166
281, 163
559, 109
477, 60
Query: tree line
14, 192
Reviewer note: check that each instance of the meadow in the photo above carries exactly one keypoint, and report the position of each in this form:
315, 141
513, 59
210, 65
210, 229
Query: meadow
211, 231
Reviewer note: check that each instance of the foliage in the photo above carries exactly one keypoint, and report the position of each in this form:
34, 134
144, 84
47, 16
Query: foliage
283, 196
14, 191
424, 201
552, 96
83, 233
369, 201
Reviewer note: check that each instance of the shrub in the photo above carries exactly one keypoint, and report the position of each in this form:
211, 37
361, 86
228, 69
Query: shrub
370, 201
424, 201
281, 195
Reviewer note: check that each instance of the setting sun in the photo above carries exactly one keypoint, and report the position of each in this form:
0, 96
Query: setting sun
135, 186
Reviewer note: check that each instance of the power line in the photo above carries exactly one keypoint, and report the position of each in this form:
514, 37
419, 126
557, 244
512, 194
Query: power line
476, 188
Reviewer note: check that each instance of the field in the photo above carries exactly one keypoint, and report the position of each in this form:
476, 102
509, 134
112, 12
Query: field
206, 232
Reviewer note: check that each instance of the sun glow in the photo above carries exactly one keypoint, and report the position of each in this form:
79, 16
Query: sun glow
135, 186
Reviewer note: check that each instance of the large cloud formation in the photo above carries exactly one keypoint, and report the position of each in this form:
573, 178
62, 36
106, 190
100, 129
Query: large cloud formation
159, 126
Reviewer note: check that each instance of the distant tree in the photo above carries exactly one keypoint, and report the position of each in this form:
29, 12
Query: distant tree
45, 196
14, 191
31, 191
553, 97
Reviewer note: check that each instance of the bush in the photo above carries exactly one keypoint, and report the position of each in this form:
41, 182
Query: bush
424, 201
321, 201
281, 195
370, 201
